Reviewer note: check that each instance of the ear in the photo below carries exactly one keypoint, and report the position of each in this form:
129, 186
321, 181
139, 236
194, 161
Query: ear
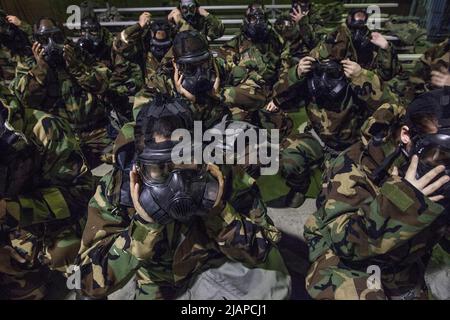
405, 137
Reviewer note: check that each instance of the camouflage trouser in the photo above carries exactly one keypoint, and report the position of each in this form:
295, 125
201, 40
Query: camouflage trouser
277, 286
301, 154
93, 145
329, 278
28, 281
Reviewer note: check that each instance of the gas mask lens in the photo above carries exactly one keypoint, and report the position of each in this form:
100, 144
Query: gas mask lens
154, 173
436, 156
159, 173
189, 9
434, 149
191, 69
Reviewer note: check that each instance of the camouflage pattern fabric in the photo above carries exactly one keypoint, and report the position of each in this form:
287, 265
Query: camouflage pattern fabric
72, 93
339, 46
117, 244
337, 127
210, 26
361, 224
436, 58
45, 219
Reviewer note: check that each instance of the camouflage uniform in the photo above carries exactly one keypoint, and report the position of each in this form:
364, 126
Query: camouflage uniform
364, 223
130, 45
73, 93
125, 80
333, 129
117, 244
339, 46
7, 66
210, 26
411, 39
213, 107
255, 67
43, 222
9, 60
433, 59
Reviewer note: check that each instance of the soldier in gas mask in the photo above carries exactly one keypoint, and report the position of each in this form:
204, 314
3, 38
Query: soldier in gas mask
45, 185
15, 45
97, 44
189, 13
65, 83
173, 222
354, 41
431, 71
96, 41
204, 80
255, 55
386, 206
339, 97
148, 45
296, 31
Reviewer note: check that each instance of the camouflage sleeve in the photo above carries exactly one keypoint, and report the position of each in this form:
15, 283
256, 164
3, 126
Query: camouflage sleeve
229, 52
113, 245
359, 224
127, 42
370, 88
387, 64
286, 57
92, 78
420, 75
214, 27
322, 50
126, 80
64, 173
143, 97
242, 229
286, 84
310, 37
30, 84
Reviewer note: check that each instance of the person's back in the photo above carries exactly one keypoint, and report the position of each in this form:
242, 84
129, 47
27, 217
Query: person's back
382, 207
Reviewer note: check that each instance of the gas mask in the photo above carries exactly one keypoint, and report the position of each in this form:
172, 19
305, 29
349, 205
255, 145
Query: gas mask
91, 40
434, 150
194, 62
327, 83
256, 26
13, 38
174, 192
361, 38
52, 40
188, 10
16, 160
198, 78
159, 47
287, 28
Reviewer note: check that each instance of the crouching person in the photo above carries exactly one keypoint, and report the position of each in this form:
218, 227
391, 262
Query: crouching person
184, 231
386, 206
45, 186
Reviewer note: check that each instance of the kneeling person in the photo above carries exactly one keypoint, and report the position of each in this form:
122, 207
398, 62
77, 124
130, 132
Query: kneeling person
171, 224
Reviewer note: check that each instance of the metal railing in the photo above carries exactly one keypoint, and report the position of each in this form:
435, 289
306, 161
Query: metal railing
243, 7
222, 8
